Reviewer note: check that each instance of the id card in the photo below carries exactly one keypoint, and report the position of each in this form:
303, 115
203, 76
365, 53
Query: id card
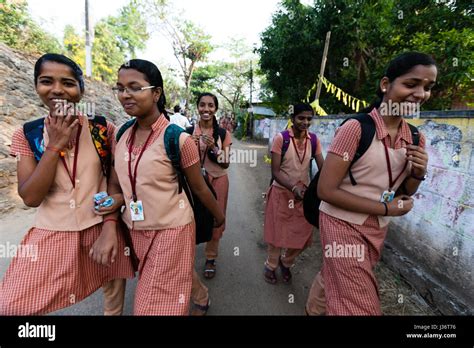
387, 196
136, 211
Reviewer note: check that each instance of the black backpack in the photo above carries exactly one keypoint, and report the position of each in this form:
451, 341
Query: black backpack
202, 216
311, 200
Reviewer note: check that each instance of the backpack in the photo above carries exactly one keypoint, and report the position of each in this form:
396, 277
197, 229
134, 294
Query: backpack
221, 134
203, 218
311, 200
33, 131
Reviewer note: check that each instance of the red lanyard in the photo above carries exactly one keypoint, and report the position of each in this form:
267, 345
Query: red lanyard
390, 182
133, 179
76, 154
296, 149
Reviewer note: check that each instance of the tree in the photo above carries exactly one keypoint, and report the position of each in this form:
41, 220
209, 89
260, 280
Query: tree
190, 44
18, 30
116, 39
365, 36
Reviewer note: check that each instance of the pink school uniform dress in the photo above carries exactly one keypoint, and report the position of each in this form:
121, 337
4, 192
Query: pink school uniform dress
285, 226
165, 240
347, 285
62, 236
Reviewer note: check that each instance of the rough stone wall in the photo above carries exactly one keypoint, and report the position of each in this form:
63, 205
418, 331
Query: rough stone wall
433, 245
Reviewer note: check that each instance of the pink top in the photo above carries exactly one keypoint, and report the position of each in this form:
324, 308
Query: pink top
214, 169
66, 208
157, 181
292, 167
370, 171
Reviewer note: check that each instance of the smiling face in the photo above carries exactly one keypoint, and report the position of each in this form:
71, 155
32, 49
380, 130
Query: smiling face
141, 103
302, 121
56, 84
412, 87
207, 108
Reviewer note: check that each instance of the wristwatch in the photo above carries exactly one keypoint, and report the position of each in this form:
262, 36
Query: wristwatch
420, 178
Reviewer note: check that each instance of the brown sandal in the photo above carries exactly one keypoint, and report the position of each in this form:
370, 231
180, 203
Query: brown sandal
210, 269
269, 276
285, 273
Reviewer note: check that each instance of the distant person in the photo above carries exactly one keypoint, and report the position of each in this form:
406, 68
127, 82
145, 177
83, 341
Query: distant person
179, 119
286, 231
357, 200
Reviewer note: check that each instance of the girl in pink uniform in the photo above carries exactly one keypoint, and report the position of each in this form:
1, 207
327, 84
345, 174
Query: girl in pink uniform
356, 216
62, 186
286, 231
160, 218
212, 154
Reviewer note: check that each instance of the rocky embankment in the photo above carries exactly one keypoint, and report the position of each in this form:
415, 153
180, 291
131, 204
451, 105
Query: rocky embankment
19, 103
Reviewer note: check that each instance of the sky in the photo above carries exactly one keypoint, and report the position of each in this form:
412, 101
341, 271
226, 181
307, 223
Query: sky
222, 19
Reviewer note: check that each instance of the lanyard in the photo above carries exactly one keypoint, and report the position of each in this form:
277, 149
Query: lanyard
133, 179
390, 182
296, 149
76, 154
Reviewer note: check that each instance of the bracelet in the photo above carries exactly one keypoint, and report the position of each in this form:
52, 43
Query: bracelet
110, 219
54, 149
386, 208
293, 189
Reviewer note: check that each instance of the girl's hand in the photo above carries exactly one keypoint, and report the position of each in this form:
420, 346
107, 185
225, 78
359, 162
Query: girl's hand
118, 202
60, 129
208, 140
400, 205
105, 248
299, 191
418, 158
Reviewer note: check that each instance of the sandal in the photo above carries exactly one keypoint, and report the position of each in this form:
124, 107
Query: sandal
285, 273
200, 311
269, 276
210, 269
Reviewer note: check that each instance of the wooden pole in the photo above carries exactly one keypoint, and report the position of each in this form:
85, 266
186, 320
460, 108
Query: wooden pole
323, 65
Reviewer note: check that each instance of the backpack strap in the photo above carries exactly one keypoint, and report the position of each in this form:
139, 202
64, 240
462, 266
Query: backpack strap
33, 131
367, 126
415, 134
124, 128
286, 142
190, 130
171, 140
314, 144
98, 130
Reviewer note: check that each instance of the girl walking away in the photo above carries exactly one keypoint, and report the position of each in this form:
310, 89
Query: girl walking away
286, 230
358, 197
214, 145
157, 212
62, 162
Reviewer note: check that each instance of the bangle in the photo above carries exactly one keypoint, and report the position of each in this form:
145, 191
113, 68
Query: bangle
386, 208
54, 149
293, 189
110, 219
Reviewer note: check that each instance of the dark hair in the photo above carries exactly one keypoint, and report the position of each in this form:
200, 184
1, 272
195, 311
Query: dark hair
61, 59
177, 108
215, 125
301, 107
152, 75
399, 66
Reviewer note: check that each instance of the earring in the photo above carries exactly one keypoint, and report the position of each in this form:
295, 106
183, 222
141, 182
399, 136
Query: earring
384, 90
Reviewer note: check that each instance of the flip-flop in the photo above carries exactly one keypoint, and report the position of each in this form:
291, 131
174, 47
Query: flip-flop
210, 269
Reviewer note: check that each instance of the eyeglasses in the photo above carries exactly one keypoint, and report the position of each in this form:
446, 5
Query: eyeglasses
132, 90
